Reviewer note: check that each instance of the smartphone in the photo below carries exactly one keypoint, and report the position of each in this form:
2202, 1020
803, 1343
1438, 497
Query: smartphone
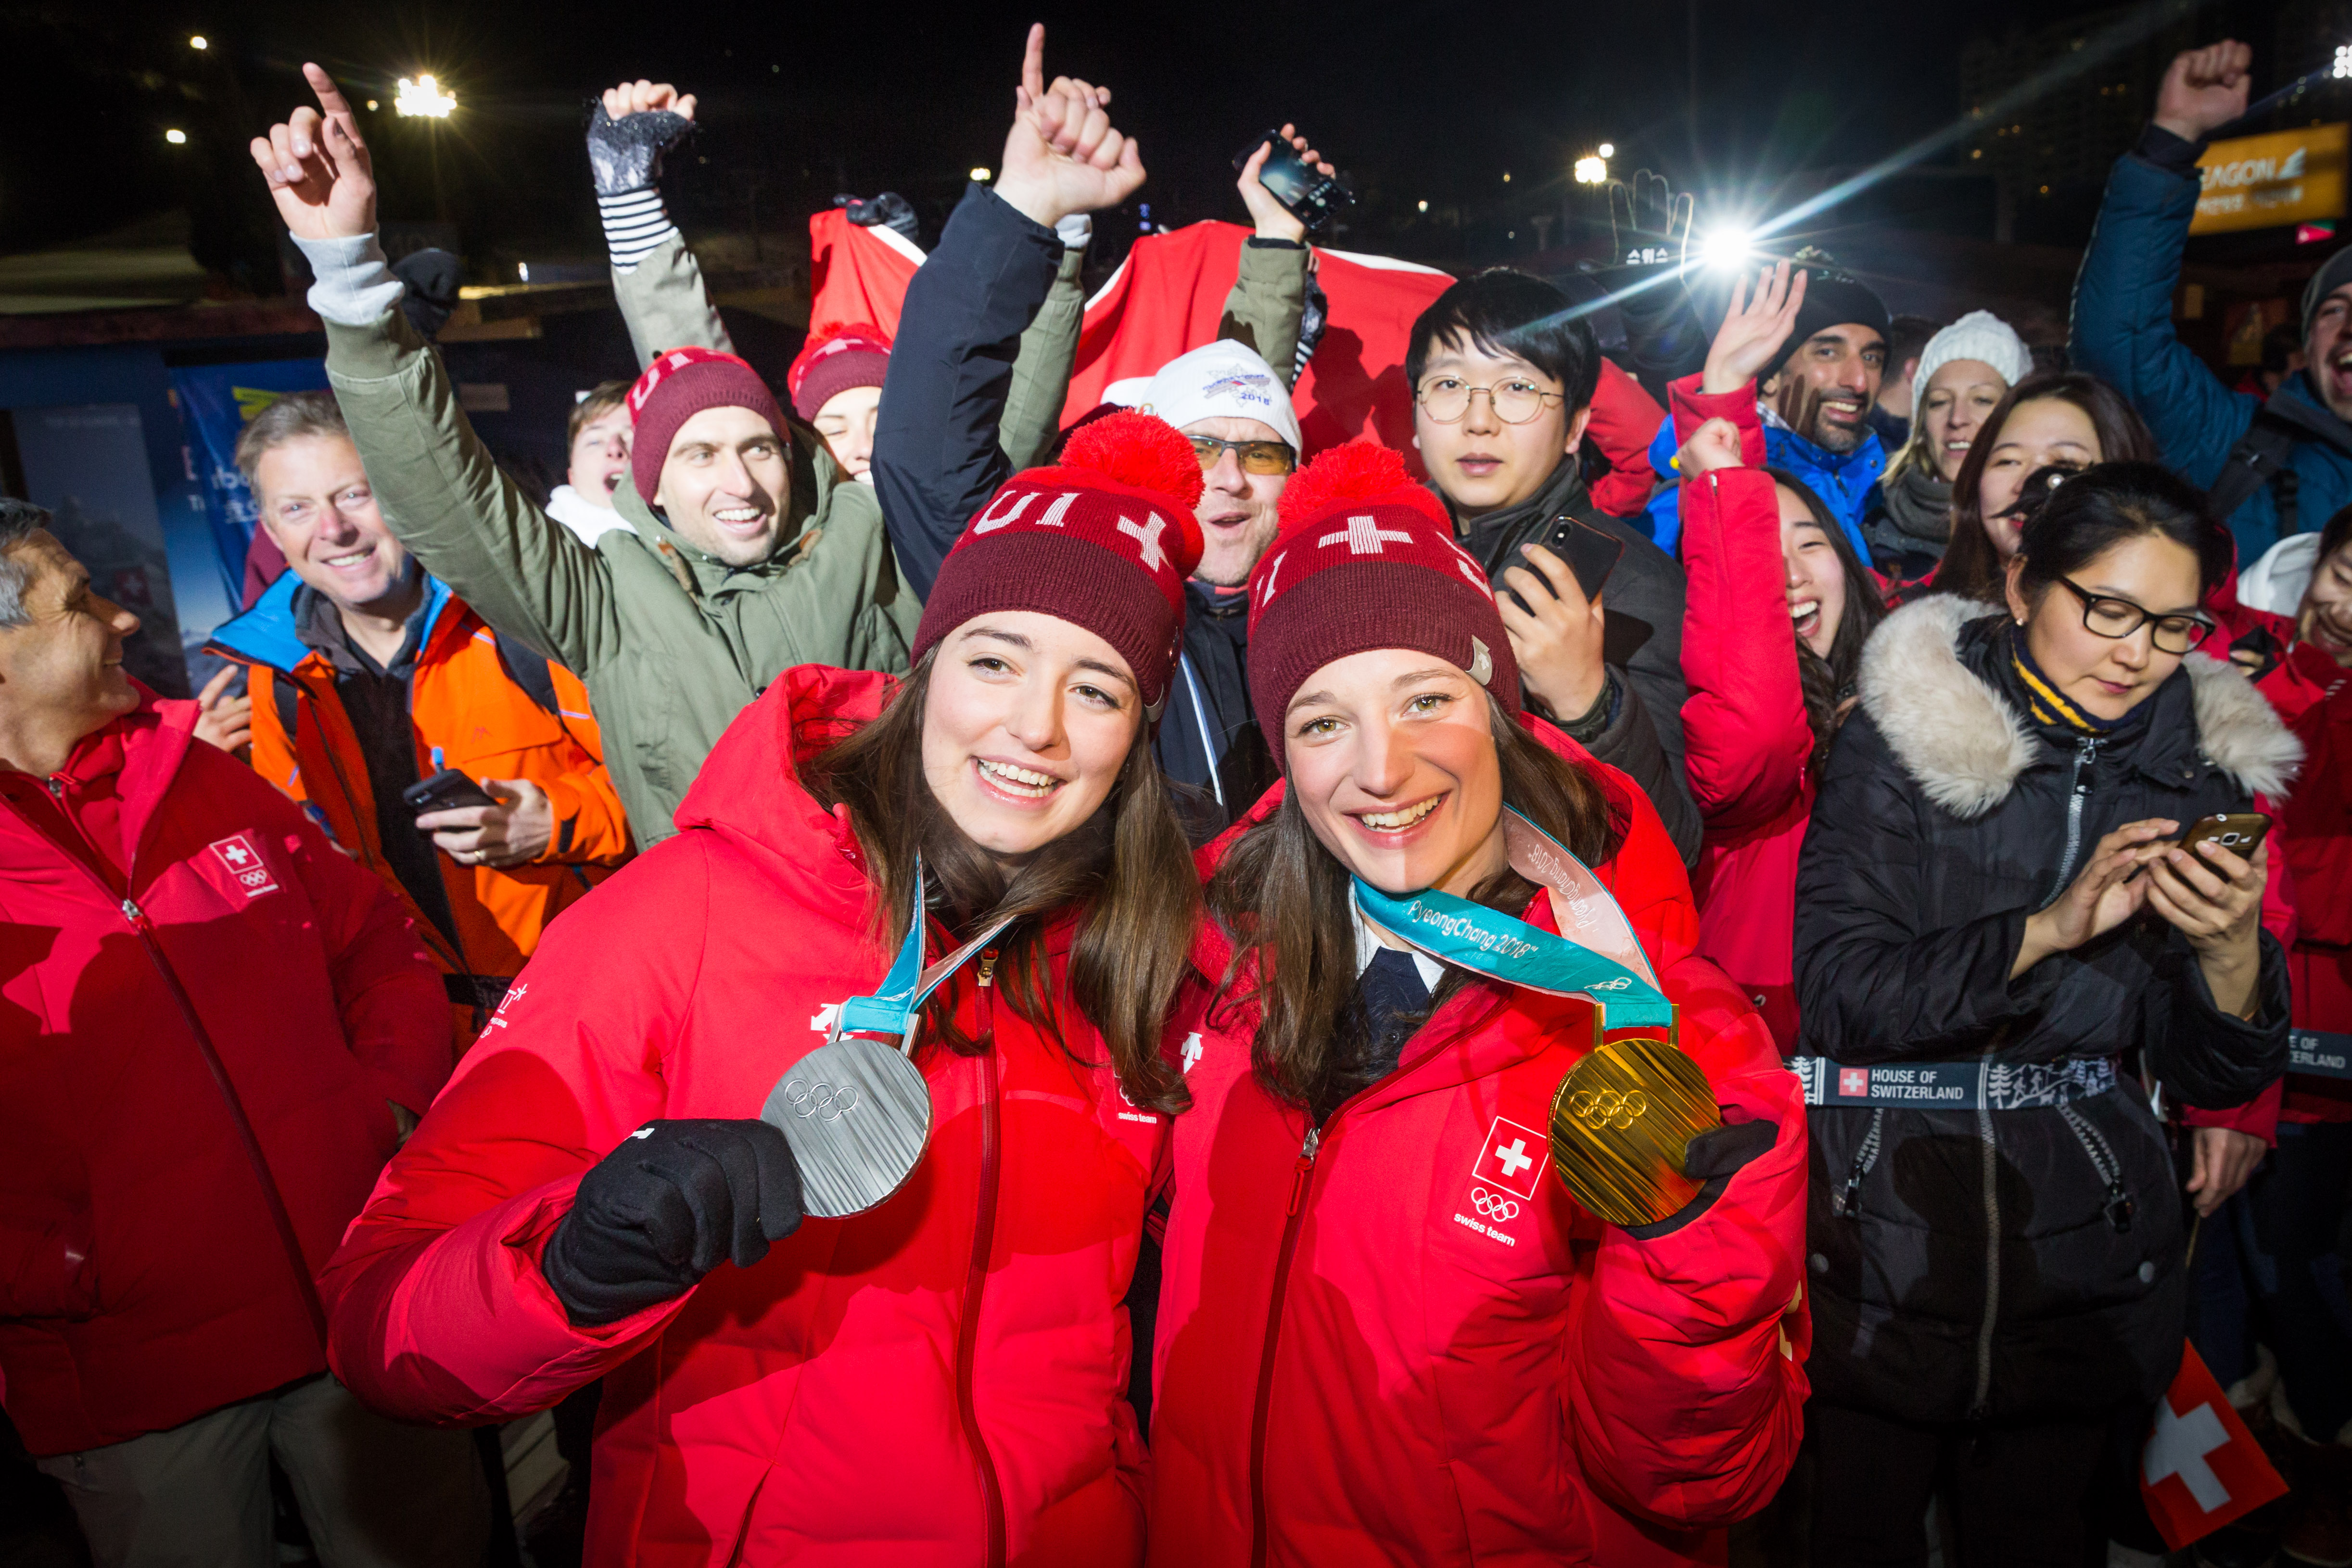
1590, 554
2238, 832
1311, 194
445, 791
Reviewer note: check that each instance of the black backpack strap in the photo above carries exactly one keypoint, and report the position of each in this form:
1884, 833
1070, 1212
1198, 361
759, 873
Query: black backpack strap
528, 669
2260, 453
282, 697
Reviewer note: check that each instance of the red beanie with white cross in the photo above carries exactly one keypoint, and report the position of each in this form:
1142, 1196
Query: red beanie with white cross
1366, 559
1104, 539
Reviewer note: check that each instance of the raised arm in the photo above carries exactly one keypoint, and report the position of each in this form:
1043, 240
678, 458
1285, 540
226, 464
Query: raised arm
655, 277
937, 453
441, 491
1267, 307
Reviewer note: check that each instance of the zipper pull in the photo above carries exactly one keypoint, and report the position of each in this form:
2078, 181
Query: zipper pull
1305, 1169
988, 967
2120, 1208
57, 787
134, 914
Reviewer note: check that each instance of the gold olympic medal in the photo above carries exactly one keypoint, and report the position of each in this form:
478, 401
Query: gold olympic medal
1620, 1121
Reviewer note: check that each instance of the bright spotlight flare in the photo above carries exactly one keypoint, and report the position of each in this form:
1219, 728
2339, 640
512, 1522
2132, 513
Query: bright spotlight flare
1725, 247
425, 97
1591, 171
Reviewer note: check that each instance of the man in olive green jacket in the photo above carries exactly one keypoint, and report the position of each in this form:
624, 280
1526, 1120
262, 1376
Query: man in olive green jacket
676, 623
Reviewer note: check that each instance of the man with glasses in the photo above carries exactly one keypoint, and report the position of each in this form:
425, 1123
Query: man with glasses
1502, 384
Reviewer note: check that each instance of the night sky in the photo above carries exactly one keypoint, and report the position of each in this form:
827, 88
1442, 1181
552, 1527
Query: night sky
1416, 102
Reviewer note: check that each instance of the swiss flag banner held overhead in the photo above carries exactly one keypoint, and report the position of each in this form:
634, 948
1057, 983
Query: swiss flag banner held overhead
2202, 1468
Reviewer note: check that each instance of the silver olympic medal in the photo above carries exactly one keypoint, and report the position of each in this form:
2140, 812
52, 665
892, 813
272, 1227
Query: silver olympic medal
858, 1117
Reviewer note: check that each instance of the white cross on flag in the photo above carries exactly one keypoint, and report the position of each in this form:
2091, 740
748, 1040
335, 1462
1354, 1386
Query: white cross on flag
1364, 536
247, 869
1511, 1158
2202, 1468
1147, 535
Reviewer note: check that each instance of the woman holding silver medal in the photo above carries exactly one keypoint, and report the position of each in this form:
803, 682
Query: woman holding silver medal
1386, 1331
793, 1368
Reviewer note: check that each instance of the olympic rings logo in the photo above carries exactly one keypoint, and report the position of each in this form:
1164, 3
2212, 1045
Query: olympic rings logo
1620, 984
1600, 1109
819, 1100
1493, 1205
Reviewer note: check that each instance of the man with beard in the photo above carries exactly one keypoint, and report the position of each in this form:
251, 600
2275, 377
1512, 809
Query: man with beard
1814, 402
2273, 465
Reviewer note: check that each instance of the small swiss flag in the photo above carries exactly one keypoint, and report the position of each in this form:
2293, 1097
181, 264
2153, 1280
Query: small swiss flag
2202, 1468
1510, 1157
1854, 1081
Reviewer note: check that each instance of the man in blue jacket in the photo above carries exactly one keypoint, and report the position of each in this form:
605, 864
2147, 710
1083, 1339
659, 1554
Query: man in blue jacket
1815, 402
2274, 467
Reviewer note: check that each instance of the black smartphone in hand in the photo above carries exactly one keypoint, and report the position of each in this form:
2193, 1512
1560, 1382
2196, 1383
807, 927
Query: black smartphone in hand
1591, 555
445, 791
1311, 194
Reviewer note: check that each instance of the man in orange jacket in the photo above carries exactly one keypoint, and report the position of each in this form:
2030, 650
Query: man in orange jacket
368, 676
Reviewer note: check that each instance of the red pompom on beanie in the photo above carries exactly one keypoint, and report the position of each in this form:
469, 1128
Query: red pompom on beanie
853, 355
676, 387
1366, 559
1104, 539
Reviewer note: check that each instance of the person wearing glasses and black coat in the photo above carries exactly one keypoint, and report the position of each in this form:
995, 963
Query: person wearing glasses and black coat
1998, 1285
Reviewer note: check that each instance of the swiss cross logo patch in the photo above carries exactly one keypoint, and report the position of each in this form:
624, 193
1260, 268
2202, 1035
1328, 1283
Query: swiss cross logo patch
246, 867
1853, 1080
1510, 1157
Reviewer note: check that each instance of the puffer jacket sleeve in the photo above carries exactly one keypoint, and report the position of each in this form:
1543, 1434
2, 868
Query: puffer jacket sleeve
1625, 419
1042, 365
2208, 1057
1746, 737
591, 827
439, 1312
666, 305
1266, 308
1873, 983
1706, 1322
1693, 408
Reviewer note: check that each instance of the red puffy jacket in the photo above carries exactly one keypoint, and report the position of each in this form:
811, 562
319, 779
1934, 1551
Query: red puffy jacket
2313, 694
206, 1009
1748, 743
938, 1380
1407, 1344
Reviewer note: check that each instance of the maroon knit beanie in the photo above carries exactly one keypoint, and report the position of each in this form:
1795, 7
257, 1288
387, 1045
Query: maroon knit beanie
1105, 540
676, 387
857, 356
1366, 560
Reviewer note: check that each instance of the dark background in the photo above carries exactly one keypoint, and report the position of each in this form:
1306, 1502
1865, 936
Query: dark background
1416, 102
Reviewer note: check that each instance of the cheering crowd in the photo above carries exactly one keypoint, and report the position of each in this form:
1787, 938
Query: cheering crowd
1233, 839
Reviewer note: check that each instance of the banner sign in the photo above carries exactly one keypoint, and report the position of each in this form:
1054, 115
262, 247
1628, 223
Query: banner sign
2271, 181
217, 401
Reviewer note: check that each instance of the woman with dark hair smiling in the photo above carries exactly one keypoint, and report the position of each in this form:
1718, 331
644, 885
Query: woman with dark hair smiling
1778, 608
1992, 916
830, 1333
1387, 1333
2061, 420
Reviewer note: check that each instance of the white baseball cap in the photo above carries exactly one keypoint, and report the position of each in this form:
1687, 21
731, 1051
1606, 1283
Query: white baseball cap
1220, 380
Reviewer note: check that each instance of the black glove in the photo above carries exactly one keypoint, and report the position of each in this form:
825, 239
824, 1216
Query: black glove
625, 154
432, 277
888, 210
666, 1207
1712, 1157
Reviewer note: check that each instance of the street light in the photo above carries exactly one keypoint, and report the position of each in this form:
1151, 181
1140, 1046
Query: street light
1607, 149
1591, 171
176, 138
979, 176
425, 97
2343, 62
199, 42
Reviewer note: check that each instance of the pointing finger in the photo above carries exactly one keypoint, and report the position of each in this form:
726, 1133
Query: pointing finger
1033, 61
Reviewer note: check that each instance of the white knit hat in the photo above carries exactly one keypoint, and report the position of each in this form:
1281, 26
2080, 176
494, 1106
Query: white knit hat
1224, 379
1980, 335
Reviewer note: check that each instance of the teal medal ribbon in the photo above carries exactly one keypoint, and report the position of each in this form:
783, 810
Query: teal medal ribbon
1502, 947
856, 1111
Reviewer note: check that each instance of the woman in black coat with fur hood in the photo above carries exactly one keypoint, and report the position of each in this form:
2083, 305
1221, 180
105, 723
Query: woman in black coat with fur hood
1994, 939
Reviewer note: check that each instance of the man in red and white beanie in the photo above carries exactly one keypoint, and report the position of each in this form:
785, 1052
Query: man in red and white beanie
1104, 538
1366, 559
836, 383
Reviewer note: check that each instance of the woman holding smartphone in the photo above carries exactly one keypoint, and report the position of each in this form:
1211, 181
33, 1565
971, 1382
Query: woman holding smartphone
1995, 934
1387, 1333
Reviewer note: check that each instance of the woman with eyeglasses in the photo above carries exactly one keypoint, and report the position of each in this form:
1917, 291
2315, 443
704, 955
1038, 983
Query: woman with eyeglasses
1996, 939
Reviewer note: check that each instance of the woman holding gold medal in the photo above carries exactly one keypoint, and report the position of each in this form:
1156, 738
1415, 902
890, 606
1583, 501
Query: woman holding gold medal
1388, 1331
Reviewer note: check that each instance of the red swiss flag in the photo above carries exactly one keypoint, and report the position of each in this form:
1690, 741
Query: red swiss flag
1512, 1157
2202, 1468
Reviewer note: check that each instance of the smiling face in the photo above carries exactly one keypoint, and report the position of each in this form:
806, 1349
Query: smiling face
1237, 508
600, 456
1479, 462
723, 485
1825, 390
846, 422
61, 673
2328, 353
2109, 677
2039, 433
1958, 397
1027, 721
1816, 578
320, 511
1391, 755
2324, 616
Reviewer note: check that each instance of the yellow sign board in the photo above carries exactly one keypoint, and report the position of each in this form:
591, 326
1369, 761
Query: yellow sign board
2268, 181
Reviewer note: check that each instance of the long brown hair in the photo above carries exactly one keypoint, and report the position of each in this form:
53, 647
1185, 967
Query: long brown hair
1972, 567
1126, 870
1825, 682
1285, 898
